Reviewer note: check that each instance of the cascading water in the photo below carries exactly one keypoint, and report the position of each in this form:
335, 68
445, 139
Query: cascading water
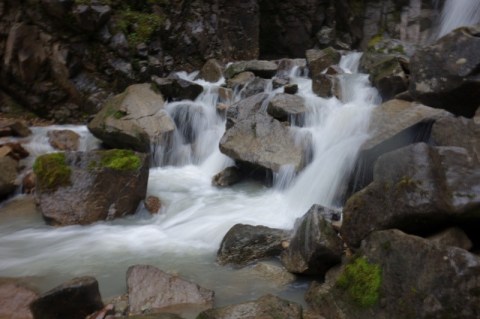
196, 215
457, 13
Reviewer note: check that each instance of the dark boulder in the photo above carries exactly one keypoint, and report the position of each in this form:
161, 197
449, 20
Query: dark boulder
254, 137
82, 188
266, 307
401, 276
315, 246
415, 189
177, 89
319, 60
9, 169
150, 289
74, 299
15, 298
91, 17
134, 119
446, 74
452, 236
243, 244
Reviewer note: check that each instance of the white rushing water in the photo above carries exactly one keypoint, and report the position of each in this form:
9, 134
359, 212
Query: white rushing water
184, 237
457, 13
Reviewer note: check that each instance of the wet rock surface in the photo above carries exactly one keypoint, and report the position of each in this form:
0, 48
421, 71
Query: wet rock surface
74, 299
15, 298
243, 244
149, 288
82, 188
64, 140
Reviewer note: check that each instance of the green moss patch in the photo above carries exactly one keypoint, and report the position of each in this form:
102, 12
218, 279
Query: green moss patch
361, 280
138, 26
120, 160
52, 171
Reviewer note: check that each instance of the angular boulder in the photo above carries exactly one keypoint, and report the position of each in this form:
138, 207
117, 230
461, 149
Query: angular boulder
82, 188
243, 244
403, 276
266, 307
15, 299
319, 60
134, 119
446, 73
255, 138
457, 131
149, 288
261, 68
315, 246
415, 188
287, 107
394, 124
452, 236
227, 177
74, 299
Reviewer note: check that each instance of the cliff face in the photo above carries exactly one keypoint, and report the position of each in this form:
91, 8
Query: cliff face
62, 58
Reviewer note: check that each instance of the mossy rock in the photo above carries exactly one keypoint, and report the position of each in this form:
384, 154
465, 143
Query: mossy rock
120, 160
52, 171
361, 281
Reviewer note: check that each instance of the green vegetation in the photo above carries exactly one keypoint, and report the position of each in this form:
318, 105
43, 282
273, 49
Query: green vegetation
138, 26
361, 280
120, 160
52, 171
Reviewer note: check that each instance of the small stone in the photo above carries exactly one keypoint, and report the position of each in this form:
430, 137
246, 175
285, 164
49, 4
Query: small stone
153, 204
290, 89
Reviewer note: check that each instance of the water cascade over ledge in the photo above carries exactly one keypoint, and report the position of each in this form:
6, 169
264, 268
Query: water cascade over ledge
184, 237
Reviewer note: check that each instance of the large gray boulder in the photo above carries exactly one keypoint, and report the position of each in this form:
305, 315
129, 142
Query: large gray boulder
396, 275
261, 68
315, 246
73, 299
243, 244
319, 60
150, 289
256, 138
394, 124
15, 298
85, 187
134, 119
415, 188
266, 307
446, 74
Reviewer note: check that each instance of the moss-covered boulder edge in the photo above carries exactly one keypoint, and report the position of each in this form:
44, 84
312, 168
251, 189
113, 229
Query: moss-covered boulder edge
52, 171
117, 159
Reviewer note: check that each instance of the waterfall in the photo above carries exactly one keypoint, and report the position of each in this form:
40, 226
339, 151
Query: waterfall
195, 215
457, 13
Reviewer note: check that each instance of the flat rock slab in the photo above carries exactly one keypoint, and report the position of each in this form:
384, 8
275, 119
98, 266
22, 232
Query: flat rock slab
150, 288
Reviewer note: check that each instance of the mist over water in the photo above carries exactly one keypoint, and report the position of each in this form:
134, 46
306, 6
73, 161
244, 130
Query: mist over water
184, 237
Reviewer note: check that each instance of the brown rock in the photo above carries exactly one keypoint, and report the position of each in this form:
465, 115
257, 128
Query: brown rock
452, 236
153, 204
15, 298
28, 183
64, 140
211, 71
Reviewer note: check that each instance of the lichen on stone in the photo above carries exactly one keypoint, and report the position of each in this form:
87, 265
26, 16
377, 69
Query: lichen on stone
361, 280
52, 171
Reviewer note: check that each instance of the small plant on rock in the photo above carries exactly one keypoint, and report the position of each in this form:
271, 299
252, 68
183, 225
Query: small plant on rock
52, 171
361, 280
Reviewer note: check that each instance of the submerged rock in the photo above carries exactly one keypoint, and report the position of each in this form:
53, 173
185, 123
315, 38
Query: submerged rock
255, 138
446, 74
74, 299
134, 119
315, 246
227, 177
64, 140
401, 276
15, 299
415, 188
85, 187
266, 307
150, 289
243, 244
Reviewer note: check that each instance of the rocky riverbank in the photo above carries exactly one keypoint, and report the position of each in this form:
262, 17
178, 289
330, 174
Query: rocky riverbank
405, 244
